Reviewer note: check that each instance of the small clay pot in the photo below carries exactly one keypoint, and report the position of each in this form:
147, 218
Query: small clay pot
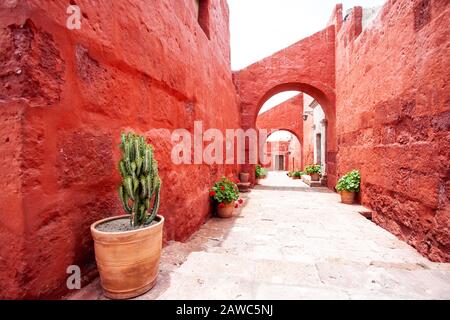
226, 211
315, 177
348, 197
244, 177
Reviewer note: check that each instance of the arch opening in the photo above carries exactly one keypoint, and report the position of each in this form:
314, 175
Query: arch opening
316, 123
283, 151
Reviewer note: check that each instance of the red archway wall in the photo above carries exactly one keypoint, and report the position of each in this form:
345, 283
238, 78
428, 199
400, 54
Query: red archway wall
287, 116
307, 66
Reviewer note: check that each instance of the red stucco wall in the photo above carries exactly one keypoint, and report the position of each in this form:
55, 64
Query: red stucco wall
393, 119
307, 66
308, 142
286, 116
65, 96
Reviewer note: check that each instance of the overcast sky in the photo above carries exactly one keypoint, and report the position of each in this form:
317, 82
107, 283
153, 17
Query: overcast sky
260, 28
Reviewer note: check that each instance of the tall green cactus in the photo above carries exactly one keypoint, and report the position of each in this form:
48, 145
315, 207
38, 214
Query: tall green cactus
141, 185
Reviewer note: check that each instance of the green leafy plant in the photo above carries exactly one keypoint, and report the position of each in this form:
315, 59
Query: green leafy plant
349, 182
290, 174
260, 171
141, 184
314, 168
298, 174
225, 191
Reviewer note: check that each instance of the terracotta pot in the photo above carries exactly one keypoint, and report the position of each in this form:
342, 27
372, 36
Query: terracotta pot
128, 262
226, 211
315, 177
348, 197
263, 177
244, 177
257, 181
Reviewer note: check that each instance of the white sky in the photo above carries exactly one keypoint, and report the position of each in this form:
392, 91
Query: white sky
280, 136
260, 28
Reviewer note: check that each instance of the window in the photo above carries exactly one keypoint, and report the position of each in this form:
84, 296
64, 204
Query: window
202, 11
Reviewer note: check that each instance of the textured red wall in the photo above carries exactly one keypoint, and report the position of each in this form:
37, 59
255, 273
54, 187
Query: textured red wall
278, 148
307, 66
286, 116
393, 119
308, 142
65, 96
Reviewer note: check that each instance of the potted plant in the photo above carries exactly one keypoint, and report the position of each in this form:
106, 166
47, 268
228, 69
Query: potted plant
244, 177
298, 175
128, 247
226, 195
260, 173
314, 172
348, 185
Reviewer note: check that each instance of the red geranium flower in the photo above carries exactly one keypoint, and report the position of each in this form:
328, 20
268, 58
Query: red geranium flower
236, 205
222, 188
241, 201
221, 205
212, 193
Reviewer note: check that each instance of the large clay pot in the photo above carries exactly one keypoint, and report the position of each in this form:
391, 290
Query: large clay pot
226, 211
347, 197
315, 177
244, 177
128, 262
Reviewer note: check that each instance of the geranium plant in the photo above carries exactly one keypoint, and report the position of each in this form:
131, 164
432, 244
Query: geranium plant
314, 168
225, 191
349, 182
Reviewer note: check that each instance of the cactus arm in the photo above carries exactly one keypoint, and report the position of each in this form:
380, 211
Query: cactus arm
139, 163
144, 187
135, 187
137, 149
128, 184
155, 204
124, 199
122, 169
147, 162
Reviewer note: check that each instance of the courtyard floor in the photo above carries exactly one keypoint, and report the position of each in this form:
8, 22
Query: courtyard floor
293, 242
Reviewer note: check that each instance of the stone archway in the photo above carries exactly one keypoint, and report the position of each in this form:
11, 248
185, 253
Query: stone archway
307, 66
291, 155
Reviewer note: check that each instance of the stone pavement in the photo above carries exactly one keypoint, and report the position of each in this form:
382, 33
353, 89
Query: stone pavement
293, 242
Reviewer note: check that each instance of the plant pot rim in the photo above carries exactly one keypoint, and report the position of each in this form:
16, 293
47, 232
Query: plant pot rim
95, 224
226, 203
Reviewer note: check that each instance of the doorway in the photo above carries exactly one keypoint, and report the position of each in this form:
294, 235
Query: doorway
279, 163
319, 148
